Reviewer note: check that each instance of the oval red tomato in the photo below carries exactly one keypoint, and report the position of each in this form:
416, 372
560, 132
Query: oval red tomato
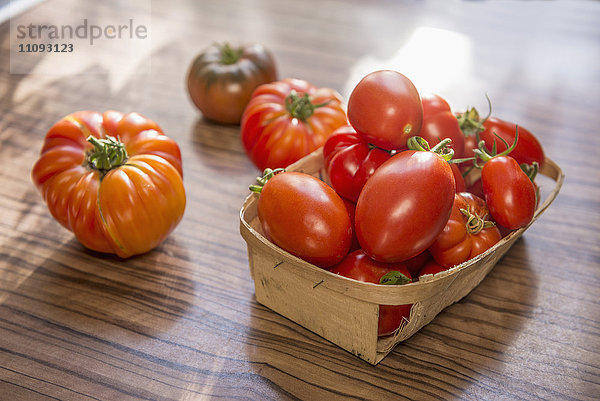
286, 120
121, 196
439, 123
528, 149
304, 216
358, 266
404, 205
468, 232
509, 193
385, 109
222, 78
350, 161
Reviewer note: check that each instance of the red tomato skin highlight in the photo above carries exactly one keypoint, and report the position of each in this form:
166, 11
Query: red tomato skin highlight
304, 216
404, 206
385, 109
509, 193
358, 266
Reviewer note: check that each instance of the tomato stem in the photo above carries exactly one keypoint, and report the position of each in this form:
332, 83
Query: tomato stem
394, 278
301, 107
230, 55
421, 145
267, 175
107, 153
483, 154
475, 224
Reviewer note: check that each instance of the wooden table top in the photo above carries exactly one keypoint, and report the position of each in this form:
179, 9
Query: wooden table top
182, 322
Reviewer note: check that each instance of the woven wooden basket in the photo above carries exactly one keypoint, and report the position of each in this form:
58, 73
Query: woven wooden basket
345, 311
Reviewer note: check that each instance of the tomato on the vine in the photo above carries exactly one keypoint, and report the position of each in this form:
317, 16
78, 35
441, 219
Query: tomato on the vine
359, 266
439, 123
222, 78
288, 119
350, 161
385, 109
468, 232
304, 216
114, 180
405, 205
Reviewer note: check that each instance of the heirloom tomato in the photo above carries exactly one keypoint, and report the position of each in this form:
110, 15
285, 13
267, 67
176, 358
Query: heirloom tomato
468, 232
114, 180
358, 266
439, 123
404, 205
286, 120
304, 216
350, 161
222, 78
385, 109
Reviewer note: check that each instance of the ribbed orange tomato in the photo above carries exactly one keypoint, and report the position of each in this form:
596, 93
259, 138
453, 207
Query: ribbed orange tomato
114, 180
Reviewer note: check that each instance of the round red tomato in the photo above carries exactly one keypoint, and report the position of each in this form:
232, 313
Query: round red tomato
404, 205
439, 123
222, 78
468, 232
350, 161
304, 216
286, 120
114, 180
358, 266
385, 109
528, 149
509, 193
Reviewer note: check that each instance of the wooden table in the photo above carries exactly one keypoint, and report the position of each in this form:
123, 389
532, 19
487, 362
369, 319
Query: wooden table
182, 323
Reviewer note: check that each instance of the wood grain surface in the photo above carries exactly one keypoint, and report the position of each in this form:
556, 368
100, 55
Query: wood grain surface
182, 322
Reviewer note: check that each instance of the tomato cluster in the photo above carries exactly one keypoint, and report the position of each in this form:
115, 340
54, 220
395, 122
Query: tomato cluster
395, 190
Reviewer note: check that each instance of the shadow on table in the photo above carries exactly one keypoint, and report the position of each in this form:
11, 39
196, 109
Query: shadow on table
444, 359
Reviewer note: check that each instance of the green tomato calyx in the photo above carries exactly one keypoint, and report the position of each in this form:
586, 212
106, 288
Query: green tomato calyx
230, 55
108, 153
261, 181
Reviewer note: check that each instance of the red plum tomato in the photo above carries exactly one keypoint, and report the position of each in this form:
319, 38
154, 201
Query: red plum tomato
440, 123
404, 205
385, 109
304, 216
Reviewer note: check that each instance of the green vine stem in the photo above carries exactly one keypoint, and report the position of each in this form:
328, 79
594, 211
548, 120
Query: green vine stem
421, 145
261, 181
475, 224
301, 107
107, 154
482, 153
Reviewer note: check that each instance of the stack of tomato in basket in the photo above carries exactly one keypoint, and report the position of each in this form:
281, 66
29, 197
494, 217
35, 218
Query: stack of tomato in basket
396, 204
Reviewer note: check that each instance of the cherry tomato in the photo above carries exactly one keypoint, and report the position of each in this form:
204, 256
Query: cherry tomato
304, 216
404, 205
468, 232
221, 79
350, 161
528, 149
439, 123
385, 109
286, 120
509, 193
114, 180
358, 266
